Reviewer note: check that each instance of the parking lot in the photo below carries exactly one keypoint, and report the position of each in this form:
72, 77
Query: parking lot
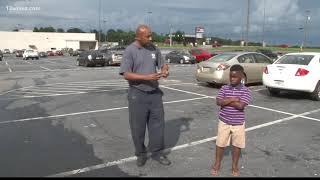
59, 119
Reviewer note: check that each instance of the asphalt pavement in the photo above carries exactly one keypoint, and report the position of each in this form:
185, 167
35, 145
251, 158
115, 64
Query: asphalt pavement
63, 120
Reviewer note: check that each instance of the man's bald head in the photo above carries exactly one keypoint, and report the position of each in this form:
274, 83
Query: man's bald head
143, 34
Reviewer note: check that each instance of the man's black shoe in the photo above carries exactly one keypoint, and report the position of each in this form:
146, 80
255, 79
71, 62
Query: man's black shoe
162, 160
141, 161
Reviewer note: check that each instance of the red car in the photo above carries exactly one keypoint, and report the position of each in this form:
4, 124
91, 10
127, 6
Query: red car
50, 53
59, 53
201, 54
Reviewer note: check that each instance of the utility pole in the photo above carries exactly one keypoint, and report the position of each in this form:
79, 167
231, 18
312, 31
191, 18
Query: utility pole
305, 29
248, 26
264, 21
170, 34
99, 22
105, 37
149, 18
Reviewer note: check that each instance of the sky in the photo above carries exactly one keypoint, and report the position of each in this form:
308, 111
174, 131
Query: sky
284, 21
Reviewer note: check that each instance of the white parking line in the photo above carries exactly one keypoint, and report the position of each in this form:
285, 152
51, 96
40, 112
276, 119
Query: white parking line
250, 105
10, 70
183, 146
45, 90
45, 68
88, 112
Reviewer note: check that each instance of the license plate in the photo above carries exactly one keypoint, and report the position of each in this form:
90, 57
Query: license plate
280, 83
98, 58
206, 69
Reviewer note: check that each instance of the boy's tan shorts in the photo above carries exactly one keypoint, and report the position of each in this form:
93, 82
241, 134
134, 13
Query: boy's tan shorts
235, 133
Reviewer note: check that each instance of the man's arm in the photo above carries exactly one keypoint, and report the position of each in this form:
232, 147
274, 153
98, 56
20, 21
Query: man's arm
146, 77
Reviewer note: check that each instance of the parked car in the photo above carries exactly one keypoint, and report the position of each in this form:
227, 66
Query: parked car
90, 58
216, 69
201, 54
294, 71
112, 56
6, 51
180, 56
43, 54
1, 55
268, 53
77, 52
58, 53
19, 53
50, 53
30, 53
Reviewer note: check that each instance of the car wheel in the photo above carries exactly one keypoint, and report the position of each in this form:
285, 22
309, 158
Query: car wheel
169, 61
0, 59
273, 91
102, 64
316, 93
86, 64
181, 61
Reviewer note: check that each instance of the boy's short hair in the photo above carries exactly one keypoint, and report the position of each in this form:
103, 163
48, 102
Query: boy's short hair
237, 67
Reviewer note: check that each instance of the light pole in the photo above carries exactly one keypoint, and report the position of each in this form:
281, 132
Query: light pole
99, 40
105, 37
264, 21
305, 29
248, 23
149, 18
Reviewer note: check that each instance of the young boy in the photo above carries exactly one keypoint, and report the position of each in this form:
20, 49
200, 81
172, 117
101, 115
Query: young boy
232, 98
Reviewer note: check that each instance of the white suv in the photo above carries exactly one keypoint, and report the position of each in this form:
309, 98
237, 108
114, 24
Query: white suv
30, 53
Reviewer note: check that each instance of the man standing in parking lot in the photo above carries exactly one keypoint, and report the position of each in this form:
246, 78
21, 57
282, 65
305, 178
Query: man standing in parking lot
139, 66
232, 98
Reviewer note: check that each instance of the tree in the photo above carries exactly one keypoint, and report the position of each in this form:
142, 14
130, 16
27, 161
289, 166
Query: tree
60, 30
15, 30
35, 29
178, 36
75, 30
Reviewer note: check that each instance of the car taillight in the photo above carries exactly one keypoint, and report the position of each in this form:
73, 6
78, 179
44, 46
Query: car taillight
222, 67
266, 70
302, 72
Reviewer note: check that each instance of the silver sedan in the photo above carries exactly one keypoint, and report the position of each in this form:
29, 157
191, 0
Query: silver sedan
216, 69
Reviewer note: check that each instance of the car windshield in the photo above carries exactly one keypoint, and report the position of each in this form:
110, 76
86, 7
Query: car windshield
184, 52
295, 59
222, 58
29, 51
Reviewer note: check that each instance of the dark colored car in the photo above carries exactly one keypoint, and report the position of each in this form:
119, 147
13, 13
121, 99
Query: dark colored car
201, 54
1, 55
180, 56
50, 53
58, 53
77, 52
90, 58
268, 53
43, 54
112, 56
19, 53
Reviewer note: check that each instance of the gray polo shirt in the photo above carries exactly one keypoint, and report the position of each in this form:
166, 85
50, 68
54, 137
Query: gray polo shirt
141, 60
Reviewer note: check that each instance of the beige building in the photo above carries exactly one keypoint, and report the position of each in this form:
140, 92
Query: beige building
45, 41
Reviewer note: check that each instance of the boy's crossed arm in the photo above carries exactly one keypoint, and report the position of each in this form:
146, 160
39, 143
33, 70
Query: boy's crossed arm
231, 101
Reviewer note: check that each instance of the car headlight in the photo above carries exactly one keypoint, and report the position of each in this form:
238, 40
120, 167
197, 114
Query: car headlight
90, 57
186, 57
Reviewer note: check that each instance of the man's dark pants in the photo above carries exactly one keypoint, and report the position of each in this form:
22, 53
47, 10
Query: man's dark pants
146, 109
